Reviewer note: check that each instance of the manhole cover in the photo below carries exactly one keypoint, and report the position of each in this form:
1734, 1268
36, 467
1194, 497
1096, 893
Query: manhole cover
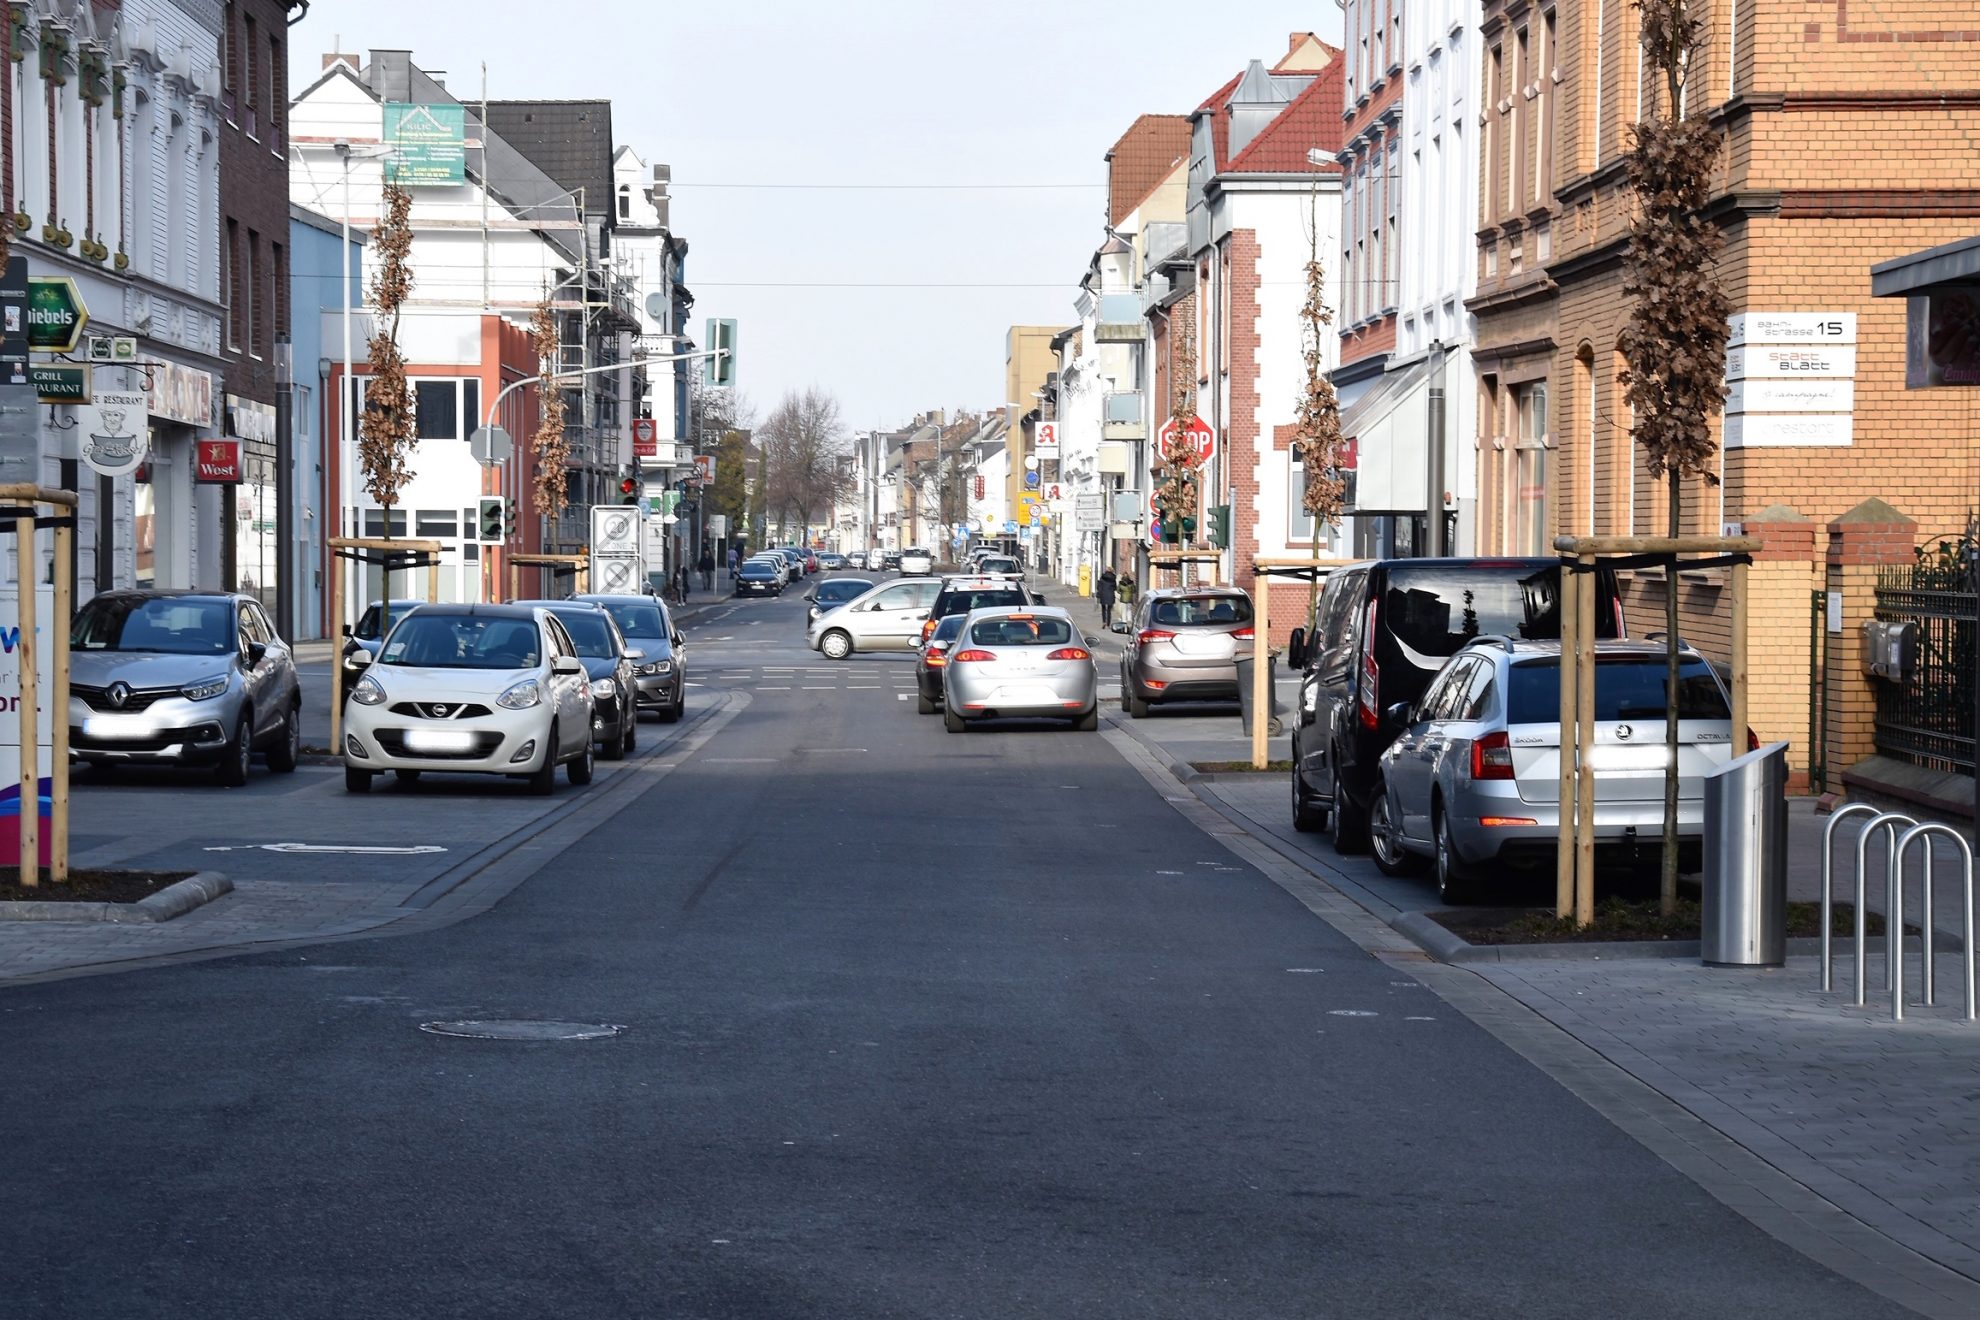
519, 1029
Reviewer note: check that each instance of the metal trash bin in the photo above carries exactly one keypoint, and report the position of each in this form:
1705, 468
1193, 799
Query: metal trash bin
1744, 922
1245, 665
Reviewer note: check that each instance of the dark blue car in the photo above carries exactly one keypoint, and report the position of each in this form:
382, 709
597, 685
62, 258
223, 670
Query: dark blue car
758, 579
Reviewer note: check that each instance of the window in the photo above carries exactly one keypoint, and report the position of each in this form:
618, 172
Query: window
435, 523
277, 91
230, 239
1521, 133
1390, 295
1626, 688
437, 408
251, 74
374, 522
250, 295
1544, 109
1530, 469
1495, 80
625, 201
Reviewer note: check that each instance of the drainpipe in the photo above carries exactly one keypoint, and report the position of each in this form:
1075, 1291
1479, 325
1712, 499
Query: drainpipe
1438, 425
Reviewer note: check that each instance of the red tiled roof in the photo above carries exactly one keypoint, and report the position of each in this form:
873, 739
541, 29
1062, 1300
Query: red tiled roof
1311, 119
1144, 156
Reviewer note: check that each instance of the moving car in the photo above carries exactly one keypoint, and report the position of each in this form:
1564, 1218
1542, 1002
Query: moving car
662, 672
369, 631
831, 560
887, 618
613, 667
1472, 781
933, 659
485, 689
999, 566
1385, 628
1020, 664
914, 560
832, 593
890, 561
1182, 646
181, 678
961, 595
758, 577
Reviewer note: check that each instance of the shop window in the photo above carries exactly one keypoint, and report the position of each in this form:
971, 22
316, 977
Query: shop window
433, 524
374, 522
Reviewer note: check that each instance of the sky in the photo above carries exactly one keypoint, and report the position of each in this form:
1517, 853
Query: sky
998, 115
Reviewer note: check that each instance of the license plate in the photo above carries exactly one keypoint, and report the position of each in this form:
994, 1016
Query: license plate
439, 740
1027, 695
119, 726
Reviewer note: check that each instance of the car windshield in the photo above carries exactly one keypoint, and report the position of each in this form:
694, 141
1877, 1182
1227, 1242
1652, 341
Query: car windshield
637, 620
1200, 611
755, 569
963, 602
462, 641
369, 625
1435, 611
1000, 566
1020, 630
949, 629
173, 625
590, 630
840, 590
1626, 688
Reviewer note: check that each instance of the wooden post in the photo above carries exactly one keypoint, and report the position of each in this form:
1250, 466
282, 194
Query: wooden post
1569, 677
1261, 676
30, 748
1739, 659
336, 652
433, 584
58, 705
515, 581
1584, 700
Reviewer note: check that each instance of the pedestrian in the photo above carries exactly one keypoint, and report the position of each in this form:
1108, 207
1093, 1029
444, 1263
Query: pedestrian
707, 567
733, 559
682, 581
1124, 590
1104, 593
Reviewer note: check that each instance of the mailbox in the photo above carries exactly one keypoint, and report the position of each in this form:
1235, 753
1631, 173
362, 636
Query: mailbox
1889, 649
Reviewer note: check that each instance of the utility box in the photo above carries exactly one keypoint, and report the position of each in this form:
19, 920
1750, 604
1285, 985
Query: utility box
1889, 649
1744, 888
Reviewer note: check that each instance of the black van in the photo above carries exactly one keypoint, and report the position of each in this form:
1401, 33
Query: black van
1384, 630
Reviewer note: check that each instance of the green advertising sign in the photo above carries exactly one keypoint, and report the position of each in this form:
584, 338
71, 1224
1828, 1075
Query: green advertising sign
58, 382
428, 144
55, 314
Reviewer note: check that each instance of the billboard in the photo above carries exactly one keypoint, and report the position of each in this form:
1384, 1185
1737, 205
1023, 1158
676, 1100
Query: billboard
429, 145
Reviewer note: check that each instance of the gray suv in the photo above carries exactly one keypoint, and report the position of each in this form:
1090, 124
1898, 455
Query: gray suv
182, 678
1182, 646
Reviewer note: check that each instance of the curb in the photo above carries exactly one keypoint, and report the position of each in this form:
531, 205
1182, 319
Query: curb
174, 900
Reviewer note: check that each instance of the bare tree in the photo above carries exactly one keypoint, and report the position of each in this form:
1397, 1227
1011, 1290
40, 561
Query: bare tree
1176, 496
386, 428
802, 440
1317, 421
1675, 339
551, 446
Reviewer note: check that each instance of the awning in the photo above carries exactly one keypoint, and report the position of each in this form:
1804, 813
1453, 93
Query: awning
1390, 425
1920, 272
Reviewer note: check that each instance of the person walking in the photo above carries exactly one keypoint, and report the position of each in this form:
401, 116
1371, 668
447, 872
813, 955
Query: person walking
1124, 591
707, 567
682, 582
1105, 594
733, 559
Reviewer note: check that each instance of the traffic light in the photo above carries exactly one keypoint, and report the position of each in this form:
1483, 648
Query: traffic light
1220, 526
490, 528
629, 490
720, 372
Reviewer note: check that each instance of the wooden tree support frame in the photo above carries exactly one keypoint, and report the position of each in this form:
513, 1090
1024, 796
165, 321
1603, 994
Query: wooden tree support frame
1263, 570
21, 506
577, 565
392, 553
1581, 557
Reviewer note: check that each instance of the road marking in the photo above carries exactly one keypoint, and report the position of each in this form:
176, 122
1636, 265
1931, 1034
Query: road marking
830, 751
1306, 971
369, 850
1351, 1012
739, 760
900, 696
813, 688
783, 688
862, 687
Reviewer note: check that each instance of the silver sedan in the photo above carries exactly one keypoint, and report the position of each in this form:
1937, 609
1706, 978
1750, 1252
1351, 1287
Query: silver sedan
1027, 663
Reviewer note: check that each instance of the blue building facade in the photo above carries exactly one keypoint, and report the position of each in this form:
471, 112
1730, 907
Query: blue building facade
316, 272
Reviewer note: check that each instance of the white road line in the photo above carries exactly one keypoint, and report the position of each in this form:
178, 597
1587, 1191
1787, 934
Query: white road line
772, 689
811, 688
862, 687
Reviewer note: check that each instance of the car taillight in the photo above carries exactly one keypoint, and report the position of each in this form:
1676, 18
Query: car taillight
973, 656
1491, 757
1070, 653
928, 627
1246, 633
1154, 635
1752, 741
1371, 673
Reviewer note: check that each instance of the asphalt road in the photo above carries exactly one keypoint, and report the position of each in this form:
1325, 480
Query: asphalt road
915, 1024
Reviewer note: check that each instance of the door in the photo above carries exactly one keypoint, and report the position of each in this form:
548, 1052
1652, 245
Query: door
1326, 693
893, 618
256, 679
1411, 761
569, 692
283, 688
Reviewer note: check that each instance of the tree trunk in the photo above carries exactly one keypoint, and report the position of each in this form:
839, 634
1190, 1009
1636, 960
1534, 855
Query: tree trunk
1668, 883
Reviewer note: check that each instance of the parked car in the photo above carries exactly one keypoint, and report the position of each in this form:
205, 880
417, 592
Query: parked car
890, 561
369, 631
1472, 780
914, 560
182, 678
887, 618
831, 561
799, 559
832, 593
1182, 646
758, 577
612, 664
662, 675
484, 689
961, 595
933, 659
999, 566
1020, 664
1385, 628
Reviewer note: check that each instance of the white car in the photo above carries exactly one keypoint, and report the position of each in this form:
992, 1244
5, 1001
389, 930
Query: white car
887, 618
480, 689
916, 561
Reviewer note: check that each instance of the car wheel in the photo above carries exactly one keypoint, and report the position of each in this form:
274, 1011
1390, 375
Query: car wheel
632, 733
234, 761
581, 769
951, 720
924, 704
406, 776
1090, 721
1385, 836
835, 645
673, 713
1307, 818
544, 781
613, 748
1453, 886
1131, 701
287, 751
358, 781
1346, 828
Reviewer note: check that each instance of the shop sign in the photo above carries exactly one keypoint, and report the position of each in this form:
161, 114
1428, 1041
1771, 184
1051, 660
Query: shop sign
55, 314
181, 394
250, 420
59, 382
1769, 430
115, 432
1791, 360
1792, 328
217, 462
1942, 339
645, 437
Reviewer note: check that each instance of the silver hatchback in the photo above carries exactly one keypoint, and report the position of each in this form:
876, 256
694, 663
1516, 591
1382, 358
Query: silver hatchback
1020, 664
1472, 782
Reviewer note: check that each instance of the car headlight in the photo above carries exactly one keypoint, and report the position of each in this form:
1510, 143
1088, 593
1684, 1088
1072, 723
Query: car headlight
521, 696
657, 667
368, 692
205, 689
604, 687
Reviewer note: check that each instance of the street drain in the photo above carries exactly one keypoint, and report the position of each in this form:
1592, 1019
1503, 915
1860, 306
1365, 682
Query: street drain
521, 1029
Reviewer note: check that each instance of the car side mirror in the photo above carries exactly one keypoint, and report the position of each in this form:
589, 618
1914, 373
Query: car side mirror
359, 658
1296, 649
635, 653
678, 640
347, 630
1398, 713
566, 664
256, 653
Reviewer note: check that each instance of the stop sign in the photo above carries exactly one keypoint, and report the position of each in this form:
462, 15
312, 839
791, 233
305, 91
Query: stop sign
1199, 431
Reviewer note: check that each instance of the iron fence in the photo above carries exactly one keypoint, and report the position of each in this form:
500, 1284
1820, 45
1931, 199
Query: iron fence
1927, 716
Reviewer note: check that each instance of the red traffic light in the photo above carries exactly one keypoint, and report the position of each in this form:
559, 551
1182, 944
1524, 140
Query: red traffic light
628, 486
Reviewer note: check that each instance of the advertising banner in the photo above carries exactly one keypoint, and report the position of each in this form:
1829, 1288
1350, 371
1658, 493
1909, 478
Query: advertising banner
10, 719
1942, 339
430, 144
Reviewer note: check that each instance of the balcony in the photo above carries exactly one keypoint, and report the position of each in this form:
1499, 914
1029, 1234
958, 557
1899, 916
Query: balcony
1122, 416
1120, 319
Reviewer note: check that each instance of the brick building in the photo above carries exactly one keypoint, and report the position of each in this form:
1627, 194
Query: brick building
1851, 138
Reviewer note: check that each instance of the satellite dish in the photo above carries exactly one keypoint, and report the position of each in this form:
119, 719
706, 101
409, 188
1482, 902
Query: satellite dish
656, 306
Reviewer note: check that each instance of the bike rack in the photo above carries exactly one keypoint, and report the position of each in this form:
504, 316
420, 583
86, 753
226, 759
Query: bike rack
1879, 820
1894, 917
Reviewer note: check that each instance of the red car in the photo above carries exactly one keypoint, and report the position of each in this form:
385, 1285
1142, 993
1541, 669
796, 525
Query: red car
810, 561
